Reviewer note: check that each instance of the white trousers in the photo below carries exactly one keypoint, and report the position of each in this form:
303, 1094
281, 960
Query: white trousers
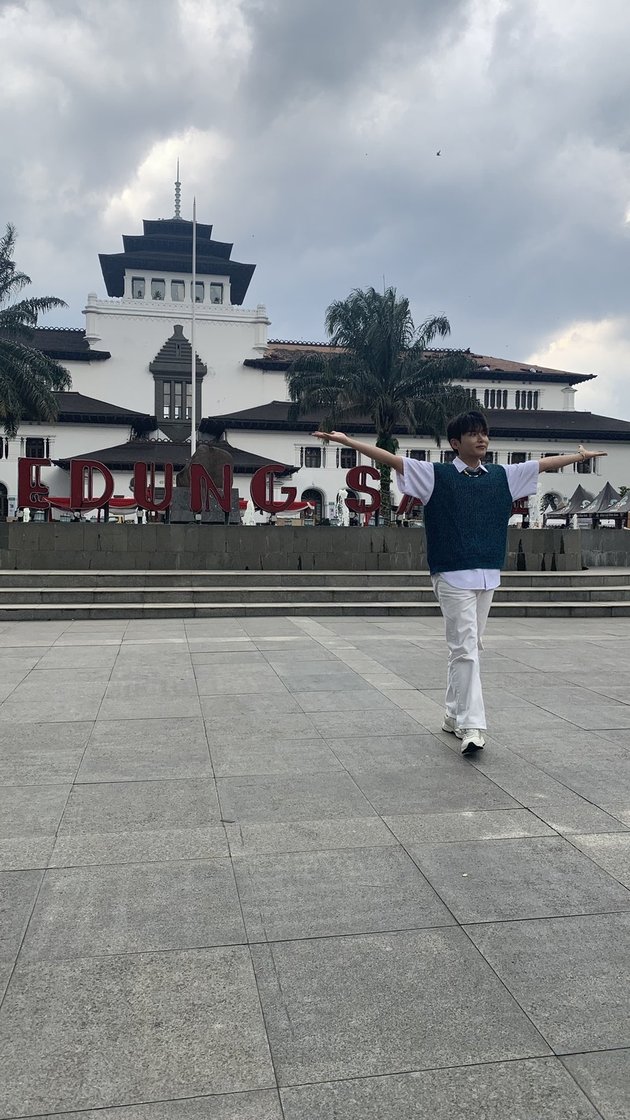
465, 614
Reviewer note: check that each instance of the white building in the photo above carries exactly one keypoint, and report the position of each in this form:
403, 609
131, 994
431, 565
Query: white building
132, 388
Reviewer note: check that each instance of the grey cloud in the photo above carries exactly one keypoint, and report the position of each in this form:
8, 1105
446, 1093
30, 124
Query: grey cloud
334, 113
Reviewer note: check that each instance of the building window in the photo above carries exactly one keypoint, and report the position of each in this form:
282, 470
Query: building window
176, 400
346, 458
178, 291
548, 455
216, 293
495, 398
526, 399
4, 447
447, 456
35, 448
199, 291
311, 457
585, 467
158, 289
489, 457
517, 457
418, 453
137, 287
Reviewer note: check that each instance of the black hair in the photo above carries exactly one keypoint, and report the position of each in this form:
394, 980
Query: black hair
465, 423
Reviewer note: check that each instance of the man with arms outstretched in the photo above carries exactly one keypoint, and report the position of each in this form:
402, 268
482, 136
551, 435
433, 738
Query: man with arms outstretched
467, 506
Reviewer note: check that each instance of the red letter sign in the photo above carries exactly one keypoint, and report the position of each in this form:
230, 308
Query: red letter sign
202, 486
261, 489
82, 484
32, 492
144, 493
356, 479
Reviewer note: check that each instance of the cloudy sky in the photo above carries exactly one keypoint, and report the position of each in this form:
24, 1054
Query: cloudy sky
309, 131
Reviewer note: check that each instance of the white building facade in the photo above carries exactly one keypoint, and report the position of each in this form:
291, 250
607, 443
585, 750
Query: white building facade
131, 397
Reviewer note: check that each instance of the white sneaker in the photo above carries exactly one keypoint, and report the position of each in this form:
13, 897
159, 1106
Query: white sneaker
448, 724
472, 739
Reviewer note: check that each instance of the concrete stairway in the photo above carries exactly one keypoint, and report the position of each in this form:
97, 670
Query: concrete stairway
68, 595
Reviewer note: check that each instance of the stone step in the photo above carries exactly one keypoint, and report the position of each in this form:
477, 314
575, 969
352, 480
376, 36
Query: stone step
73, 611
137, 578
284, 596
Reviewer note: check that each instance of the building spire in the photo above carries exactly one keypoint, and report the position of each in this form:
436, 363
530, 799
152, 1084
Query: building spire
178, 194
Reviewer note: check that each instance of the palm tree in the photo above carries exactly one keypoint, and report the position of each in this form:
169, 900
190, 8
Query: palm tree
381, 367
28, 379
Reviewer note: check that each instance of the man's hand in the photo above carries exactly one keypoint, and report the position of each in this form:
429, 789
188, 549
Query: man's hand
334, 437
590, 454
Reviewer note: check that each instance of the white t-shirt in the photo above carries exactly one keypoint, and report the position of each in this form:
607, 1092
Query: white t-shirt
418, 480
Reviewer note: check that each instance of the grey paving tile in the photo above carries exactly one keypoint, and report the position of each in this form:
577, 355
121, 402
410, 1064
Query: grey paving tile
264, 724
385, 1003
244, 703
599, 771
578, 815
532, 877
198, 644
535, 1089
79, 657
140, 806
154, 700
27, 811
484, 824
141, 907
356, 699
307, 836
144, 846
41, 752
390, 752
139, 749
313, 681
578, 1008
209, 660
30, 703
335, 725
238, 680
610, 851
271, 756
258, 1105
303, 659
519, 777
18, 890
91, 1033
305, 798
605, 1078
19, 853
444, 787
313, 894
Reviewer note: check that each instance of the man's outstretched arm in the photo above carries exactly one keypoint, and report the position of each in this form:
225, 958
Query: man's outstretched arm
554, 462
376, 453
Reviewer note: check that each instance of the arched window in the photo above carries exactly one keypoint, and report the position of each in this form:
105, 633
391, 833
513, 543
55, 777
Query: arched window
529, 399
505, 398
317, 497
4, 502
486, 398
517, 398
536, 398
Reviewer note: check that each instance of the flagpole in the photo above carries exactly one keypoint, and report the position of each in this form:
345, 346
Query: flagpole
193, 378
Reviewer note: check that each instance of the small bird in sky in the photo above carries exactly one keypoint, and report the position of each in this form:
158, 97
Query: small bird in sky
439, 153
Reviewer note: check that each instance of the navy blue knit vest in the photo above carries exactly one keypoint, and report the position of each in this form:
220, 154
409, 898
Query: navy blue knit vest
466, 519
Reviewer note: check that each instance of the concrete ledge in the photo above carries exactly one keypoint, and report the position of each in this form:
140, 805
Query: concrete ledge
84, 546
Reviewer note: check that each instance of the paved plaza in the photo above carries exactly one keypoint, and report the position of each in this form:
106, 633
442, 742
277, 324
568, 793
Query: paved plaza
244, 875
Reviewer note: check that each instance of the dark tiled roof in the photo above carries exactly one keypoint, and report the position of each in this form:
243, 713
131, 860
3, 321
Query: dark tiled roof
75, 408
124, 455
279, 355
175, 357
544, 423
66, 344
166, 246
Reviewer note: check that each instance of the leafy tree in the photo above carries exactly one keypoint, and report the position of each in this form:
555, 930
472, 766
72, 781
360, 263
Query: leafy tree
381, 366
28, 379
